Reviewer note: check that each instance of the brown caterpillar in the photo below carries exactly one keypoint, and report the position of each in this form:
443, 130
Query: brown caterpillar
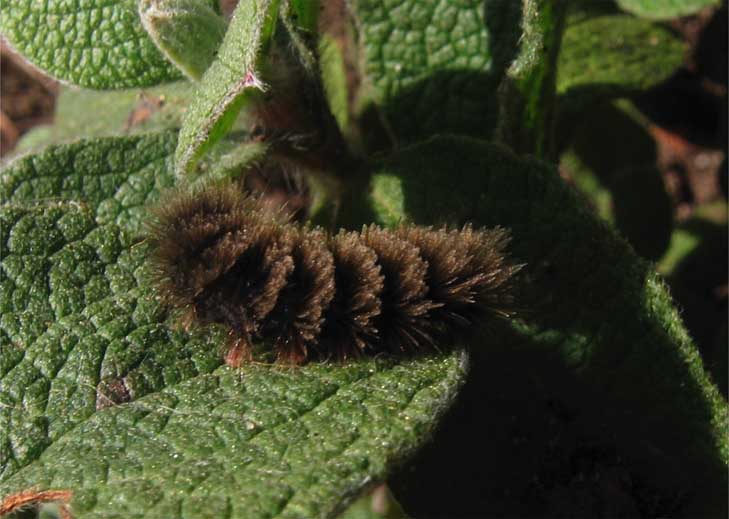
222, 258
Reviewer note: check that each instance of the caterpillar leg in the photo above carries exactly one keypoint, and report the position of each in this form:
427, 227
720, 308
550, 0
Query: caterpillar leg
239, 352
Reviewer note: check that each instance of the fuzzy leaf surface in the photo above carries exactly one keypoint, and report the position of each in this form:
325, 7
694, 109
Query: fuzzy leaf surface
665, 9
701, 239
117, 177
433, 67
98, 45
114, 177
80, 328
602, 356
44, 322
231, 81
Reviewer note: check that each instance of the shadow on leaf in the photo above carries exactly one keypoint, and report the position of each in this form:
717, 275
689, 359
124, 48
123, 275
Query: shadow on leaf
603, 343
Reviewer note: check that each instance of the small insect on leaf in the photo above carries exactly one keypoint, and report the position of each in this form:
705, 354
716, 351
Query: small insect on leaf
224, 257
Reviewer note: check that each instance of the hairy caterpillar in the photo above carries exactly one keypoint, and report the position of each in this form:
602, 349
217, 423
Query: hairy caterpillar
223, 258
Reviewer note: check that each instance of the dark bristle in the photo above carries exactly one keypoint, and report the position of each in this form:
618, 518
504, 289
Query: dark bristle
349, 323
223, 257
403, 321
466, 275
494, 290
278, 263
219, 257
185, 231
295, 322
246, 292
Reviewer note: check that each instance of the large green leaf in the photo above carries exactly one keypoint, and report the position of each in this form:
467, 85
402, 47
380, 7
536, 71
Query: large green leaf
433, 67
231, 82
665, 9
112, 179
602, 357
80, 330
92, 44
257, 443
95, 378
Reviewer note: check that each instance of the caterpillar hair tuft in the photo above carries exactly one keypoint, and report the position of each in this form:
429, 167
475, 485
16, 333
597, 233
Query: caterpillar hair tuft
222, 257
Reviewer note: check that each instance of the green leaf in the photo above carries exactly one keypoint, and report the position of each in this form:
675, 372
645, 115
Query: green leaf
187, 32
606, 344
616, 53
33, 140
115, 178
306, 13
139, 416
300, 19
433, 67
334, 79
80, 330
620, 176
694, 268
231, 82
702, 230
90, 113
605, 57
92, 44
665, 9
527, 93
